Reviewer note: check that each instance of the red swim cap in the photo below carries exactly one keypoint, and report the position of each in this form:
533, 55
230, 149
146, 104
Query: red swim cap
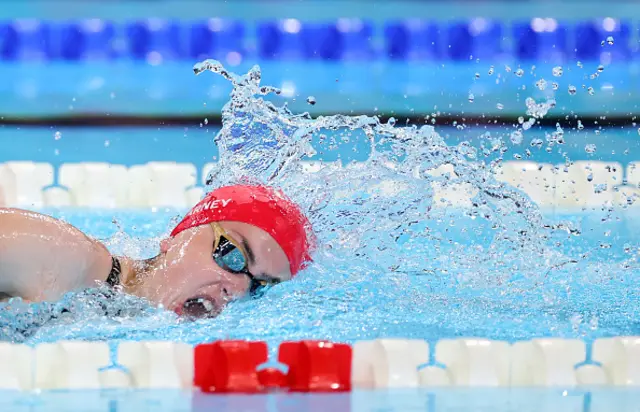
261, 206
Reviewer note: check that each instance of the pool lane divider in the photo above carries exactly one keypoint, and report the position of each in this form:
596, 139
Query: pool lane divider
233, 366
237, 366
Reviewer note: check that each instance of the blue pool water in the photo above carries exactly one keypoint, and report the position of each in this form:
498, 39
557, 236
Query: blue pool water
344, 298
436, 400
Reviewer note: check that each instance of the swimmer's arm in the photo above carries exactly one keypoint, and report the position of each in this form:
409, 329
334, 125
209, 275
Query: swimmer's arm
41, 258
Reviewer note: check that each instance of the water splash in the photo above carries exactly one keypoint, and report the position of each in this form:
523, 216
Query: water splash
541, 84
93, 312
418, 215
381, 204
539, 110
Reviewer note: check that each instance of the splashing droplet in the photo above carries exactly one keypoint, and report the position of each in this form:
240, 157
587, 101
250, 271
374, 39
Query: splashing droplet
311, 100
520, 119
600, 68
536, 143
491, 70
499, 106
555, 86
529, 123
519, 72
580, 125
477, 75
591, 91
541, 84
572, 90
590, 148
516, 137
557, 71
538, 110
579, 64
471, 97
610, 40
206, 120
57, 135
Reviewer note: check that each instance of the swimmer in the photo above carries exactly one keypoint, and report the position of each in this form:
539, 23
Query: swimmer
238, 241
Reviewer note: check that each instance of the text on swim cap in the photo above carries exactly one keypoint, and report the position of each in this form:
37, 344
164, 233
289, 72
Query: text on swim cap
211, 204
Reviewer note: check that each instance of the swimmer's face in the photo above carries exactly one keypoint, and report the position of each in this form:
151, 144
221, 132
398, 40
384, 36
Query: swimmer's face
188, 280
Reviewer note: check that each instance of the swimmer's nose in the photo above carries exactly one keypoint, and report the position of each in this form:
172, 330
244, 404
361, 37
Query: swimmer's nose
234, 285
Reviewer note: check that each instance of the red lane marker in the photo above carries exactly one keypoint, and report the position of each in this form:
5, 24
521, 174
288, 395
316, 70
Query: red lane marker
229, 366
317, 366
273, 379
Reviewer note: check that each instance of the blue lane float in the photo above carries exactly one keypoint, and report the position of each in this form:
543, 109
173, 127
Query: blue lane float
595, 37
412, 40
347, 39
540, 40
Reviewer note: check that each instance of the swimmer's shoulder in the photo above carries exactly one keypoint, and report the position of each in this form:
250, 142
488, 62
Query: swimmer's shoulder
42, 257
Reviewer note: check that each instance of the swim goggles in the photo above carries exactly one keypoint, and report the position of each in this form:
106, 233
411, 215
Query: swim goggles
232, 257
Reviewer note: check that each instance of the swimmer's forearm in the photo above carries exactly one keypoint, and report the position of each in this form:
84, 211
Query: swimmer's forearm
41, 258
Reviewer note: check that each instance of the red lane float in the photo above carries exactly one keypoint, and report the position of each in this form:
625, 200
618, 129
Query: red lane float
232, 367
317, 366
229, 366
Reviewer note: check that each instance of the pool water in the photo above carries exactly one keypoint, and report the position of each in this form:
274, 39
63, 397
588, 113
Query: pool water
590, 294
400, 400
388, 264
